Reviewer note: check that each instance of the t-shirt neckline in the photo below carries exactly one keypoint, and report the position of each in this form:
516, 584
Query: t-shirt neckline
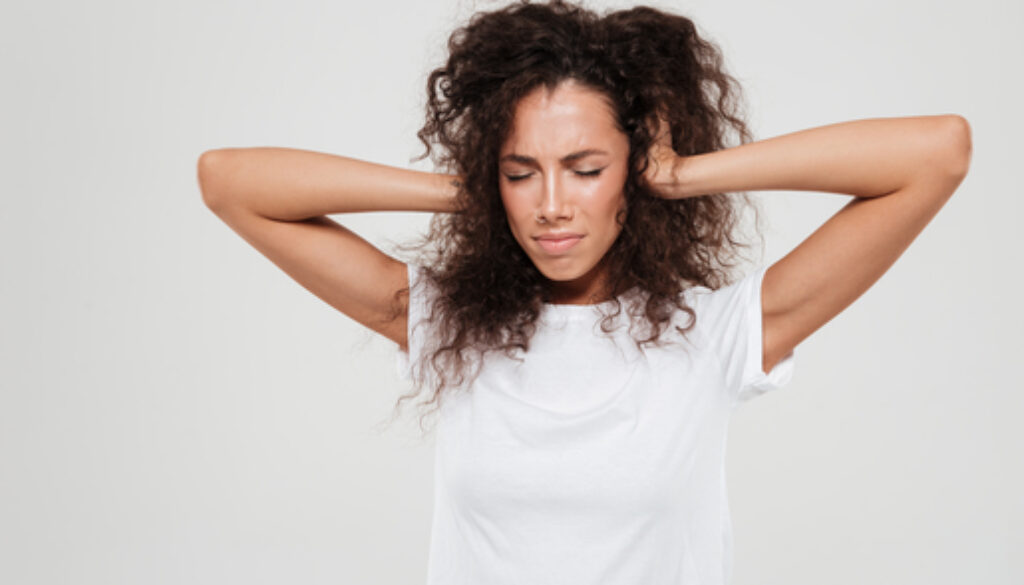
586, 310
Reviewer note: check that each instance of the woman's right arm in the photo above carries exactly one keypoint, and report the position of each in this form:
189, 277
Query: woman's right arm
277, 199
290, 184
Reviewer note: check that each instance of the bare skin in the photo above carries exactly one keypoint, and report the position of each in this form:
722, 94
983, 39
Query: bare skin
277, 199
543, 191
901, 171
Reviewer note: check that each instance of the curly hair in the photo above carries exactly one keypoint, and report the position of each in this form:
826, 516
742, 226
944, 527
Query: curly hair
647, 63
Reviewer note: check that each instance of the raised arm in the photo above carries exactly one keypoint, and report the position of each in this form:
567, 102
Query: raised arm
291, 184
901, 172
277, 200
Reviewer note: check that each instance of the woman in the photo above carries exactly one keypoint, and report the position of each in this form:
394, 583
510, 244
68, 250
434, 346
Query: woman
586, 344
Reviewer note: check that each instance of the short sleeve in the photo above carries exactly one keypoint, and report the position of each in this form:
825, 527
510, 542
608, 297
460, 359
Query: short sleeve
418, 298
731, 321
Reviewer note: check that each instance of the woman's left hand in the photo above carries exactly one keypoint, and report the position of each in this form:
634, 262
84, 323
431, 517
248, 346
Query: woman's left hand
664, 166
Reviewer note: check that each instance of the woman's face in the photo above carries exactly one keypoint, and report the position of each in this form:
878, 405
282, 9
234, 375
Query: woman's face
562, 171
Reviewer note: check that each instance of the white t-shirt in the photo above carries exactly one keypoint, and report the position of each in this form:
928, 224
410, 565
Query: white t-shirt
591, 462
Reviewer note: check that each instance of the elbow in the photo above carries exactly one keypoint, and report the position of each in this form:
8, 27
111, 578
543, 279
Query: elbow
206, 174
957, 146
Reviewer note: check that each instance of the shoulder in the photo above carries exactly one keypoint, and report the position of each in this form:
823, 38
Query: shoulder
730, 303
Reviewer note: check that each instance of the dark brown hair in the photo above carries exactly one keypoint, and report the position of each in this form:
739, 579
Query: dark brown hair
645, 62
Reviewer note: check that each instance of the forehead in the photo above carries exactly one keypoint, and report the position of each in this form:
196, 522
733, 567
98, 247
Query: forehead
551, 123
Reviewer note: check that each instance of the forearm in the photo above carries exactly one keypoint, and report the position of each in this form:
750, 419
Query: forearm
292, 184
866, 158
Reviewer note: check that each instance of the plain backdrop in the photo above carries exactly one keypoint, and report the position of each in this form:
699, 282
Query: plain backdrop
175, 409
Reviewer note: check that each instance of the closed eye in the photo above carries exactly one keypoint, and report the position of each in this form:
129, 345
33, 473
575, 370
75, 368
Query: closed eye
593, 173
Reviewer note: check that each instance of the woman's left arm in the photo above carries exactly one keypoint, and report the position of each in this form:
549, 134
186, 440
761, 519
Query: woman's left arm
901, 172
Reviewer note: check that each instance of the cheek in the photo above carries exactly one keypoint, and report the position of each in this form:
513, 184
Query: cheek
612, 192
514, 215
614, 203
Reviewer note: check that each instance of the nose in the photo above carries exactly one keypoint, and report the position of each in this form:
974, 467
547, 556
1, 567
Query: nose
554, 204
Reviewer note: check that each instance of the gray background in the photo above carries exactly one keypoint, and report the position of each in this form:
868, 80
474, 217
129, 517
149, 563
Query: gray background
175, 409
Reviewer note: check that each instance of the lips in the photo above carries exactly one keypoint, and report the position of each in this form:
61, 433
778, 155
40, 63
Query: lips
555, 245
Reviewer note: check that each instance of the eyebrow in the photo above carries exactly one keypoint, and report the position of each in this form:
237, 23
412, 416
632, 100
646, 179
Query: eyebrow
519, 158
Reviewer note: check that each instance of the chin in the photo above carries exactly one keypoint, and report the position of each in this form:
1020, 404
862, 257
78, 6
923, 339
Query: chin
565, 272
